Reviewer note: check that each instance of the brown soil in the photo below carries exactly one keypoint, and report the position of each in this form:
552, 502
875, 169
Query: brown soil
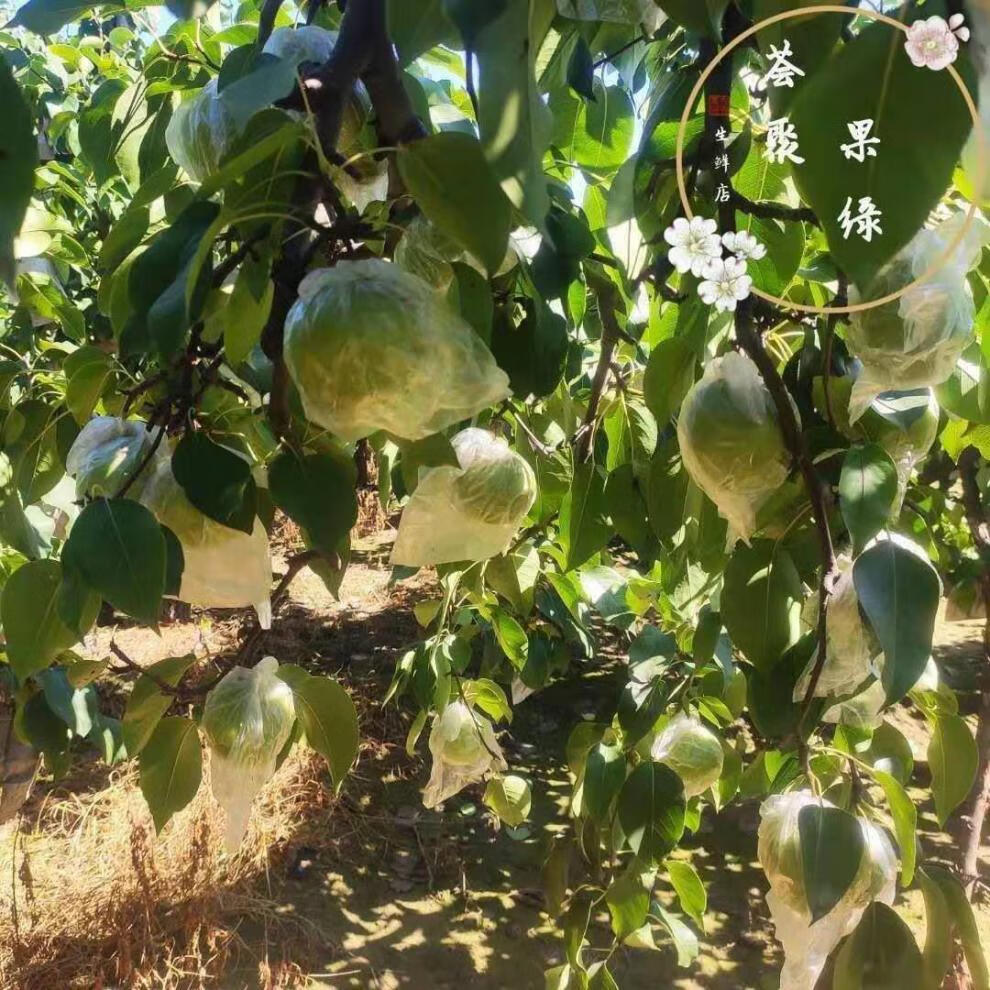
369, 890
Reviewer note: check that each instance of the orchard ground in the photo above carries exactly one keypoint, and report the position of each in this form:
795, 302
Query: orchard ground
369, 890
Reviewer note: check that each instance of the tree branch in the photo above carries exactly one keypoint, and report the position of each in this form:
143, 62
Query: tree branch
751, 343
772, 211
976, 814
605, 292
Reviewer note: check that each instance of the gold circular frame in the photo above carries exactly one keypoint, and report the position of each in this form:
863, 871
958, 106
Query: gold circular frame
981, 146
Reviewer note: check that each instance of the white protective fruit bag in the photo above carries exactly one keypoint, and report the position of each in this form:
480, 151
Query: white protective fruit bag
469, 512
730, 441
247, 720
806, 945
223, 567
852, 650
916, 341
907, 447
693, 752
107, 451
371, 347
645, 13
464, 749
200, 132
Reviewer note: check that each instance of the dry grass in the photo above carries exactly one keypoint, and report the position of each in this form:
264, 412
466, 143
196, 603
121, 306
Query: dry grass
91, 898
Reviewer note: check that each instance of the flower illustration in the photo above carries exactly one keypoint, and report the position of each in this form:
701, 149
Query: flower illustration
932, 43
725, 284
957, 22
694, 244
744, 245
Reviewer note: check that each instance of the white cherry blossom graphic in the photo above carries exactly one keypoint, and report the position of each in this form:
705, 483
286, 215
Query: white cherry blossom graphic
932, 43
743, 245
725, 284
693, 244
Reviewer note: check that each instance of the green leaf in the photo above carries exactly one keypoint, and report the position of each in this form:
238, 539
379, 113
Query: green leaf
316, 491
669, 374
831, 850
510, 798
171, 768
157, 281
531, 352
246, 313
761, 602
328, 718
40, 727
905, 816
581, 71
86, 373
511, 637
34, 631
699, 16
217, 481
584, 527
454, 186
690, 890
867, 489
651, 810
965, 924
47, 16
18, 157
908, 177
77, 707
119, 551
512, 117
881, 954
785, 244
148, 703
416, 26
685, 941
899, 593
474, 299
937, 955
628, 899
604, 775
953, 760
596, 135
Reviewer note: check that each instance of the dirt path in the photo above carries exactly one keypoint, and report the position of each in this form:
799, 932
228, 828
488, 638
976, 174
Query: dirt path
371, 891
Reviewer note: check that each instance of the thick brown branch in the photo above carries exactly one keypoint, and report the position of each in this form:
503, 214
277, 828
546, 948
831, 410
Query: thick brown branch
751, 343
976, 814
605, 292
773, 211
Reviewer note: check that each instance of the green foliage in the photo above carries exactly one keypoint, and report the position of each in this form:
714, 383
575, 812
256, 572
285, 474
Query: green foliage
831, 850
880, 953
118, 550
320, 306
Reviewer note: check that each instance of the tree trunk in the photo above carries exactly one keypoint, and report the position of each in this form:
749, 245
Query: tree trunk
977, 813
18, 764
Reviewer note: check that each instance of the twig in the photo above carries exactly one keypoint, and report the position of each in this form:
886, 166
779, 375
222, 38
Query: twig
469, 80
534, 440
605, 292
146, 460
644, 39
266, 21
227, 266
129, 664
293, 566
773, 211
840, 300
132, 393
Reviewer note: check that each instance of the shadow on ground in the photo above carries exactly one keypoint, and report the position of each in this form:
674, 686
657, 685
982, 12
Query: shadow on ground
375, 892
